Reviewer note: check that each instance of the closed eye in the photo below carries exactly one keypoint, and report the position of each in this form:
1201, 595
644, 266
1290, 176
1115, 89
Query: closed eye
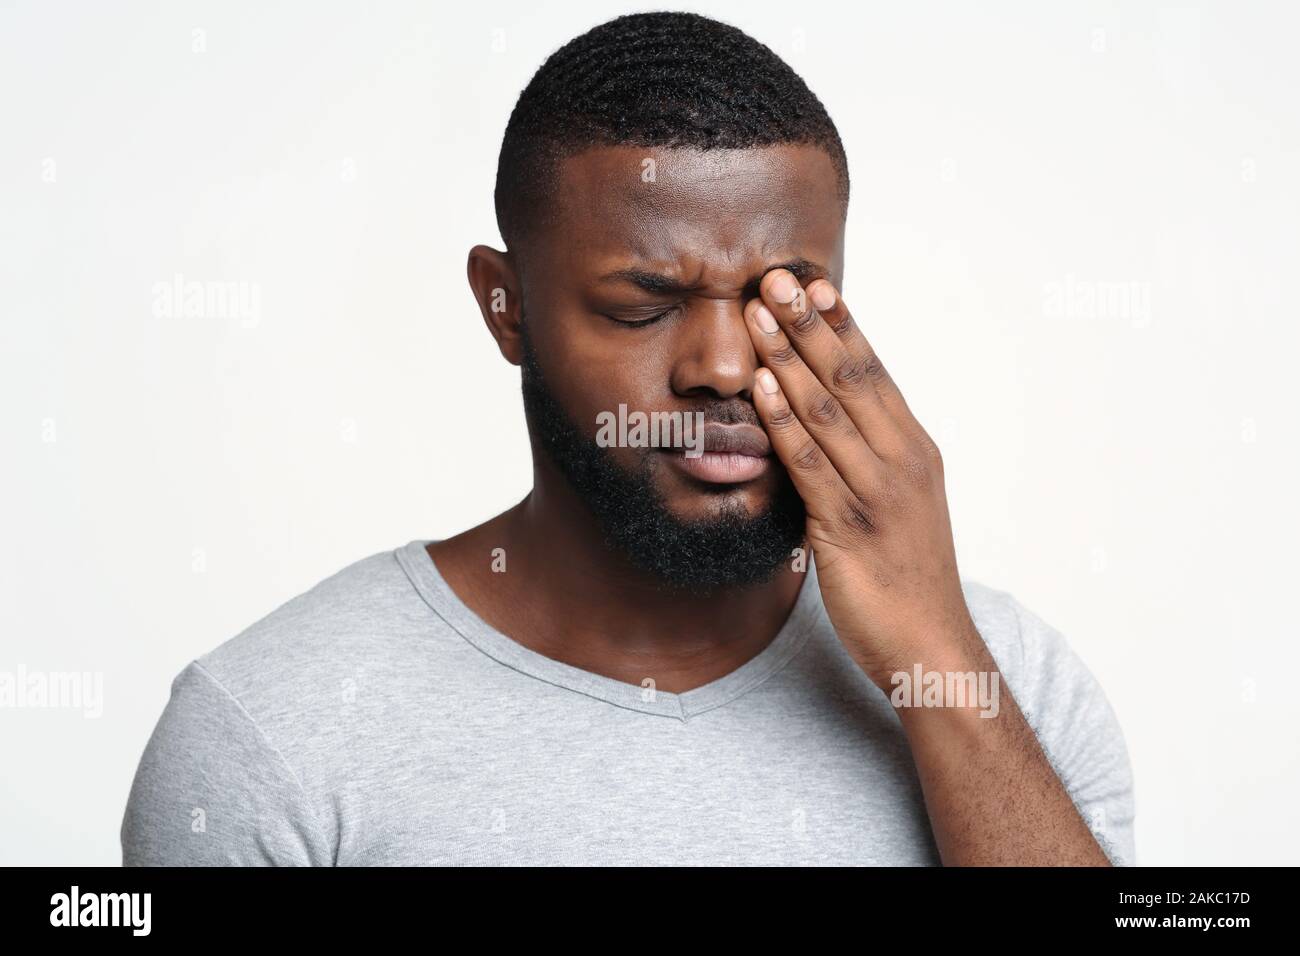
641, 323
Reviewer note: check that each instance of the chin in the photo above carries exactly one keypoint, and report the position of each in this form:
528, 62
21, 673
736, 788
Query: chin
709, 502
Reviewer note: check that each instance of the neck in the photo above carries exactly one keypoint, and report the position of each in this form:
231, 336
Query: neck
568, 594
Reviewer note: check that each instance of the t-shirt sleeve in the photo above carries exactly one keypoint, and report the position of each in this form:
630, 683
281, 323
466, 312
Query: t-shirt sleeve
211, 790
1079, 732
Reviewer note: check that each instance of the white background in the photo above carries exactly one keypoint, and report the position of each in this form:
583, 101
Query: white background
1127, 471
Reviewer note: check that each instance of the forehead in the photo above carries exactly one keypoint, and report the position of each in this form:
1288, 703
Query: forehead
705, 214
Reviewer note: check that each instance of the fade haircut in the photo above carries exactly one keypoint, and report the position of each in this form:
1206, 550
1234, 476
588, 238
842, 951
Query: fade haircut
652, 79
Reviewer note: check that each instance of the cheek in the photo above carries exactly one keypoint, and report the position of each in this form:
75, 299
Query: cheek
593, 370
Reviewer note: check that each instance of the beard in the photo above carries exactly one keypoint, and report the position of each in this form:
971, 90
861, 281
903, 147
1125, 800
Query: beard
729, 549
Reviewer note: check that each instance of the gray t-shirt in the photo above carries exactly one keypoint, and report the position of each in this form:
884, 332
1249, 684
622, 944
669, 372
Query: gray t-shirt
376, 719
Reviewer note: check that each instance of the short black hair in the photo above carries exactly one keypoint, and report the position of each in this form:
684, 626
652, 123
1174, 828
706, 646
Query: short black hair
653, 79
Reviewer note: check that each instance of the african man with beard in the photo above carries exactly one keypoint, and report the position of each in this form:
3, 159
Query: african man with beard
658, 657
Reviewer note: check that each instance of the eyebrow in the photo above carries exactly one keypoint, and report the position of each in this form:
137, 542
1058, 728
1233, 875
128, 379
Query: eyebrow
659, 284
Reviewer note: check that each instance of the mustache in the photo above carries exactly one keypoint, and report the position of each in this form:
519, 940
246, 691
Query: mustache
727, 412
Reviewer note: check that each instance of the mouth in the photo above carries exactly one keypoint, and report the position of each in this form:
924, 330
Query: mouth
732, 454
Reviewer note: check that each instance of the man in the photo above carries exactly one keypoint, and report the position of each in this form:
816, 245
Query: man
659, 656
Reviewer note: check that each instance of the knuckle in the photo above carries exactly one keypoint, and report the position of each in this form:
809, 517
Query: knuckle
915, 467
841, 324
808, 457
782, 417
824, 411
783, 356
933, 453
874, 369
850, 374
805, 323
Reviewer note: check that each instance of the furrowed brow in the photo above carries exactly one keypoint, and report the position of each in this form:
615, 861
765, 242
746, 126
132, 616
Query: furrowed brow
652, 282
805, 270
656, 283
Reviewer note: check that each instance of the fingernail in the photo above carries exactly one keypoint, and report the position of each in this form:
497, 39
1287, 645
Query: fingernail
765, 319
767, 381
784, 288
823, 296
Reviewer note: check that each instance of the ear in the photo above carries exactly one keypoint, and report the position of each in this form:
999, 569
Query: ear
495, 281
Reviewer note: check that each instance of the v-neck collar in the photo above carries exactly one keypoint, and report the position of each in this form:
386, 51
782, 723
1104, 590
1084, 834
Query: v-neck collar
437, 593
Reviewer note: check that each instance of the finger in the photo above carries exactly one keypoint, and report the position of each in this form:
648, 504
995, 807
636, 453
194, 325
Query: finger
841, 372
787, 300
812, 473
818, 411
843, 367
862, 368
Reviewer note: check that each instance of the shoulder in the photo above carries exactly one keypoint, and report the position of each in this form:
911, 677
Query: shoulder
305, 673
1038, 662
346, 616
1026, 647
1068, 709
239, 760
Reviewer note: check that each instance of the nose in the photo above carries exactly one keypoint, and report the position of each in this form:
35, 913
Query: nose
714, 355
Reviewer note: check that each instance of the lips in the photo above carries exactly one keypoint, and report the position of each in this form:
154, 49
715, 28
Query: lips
733, 454
736, 439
